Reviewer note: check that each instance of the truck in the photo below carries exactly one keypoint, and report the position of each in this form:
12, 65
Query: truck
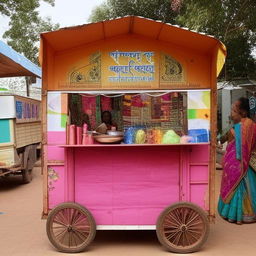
20, 135
20, 120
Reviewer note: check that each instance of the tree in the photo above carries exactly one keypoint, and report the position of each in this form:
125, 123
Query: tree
9, 7
154, 9
231, 21
25, 26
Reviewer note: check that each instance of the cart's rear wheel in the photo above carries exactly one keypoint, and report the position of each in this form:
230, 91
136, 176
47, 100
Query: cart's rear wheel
70, 227
182, 228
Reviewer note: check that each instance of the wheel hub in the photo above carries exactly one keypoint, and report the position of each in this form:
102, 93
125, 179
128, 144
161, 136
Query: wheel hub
183, 228
70, 228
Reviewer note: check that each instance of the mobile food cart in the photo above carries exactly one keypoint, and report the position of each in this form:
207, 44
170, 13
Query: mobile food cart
20, 123
154, 169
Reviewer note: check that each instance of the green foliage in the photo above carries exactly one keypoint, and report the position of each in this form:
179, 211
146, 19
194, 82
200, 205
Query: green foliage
240, 63
154, 9
25, 25
231, 21
102, 12
9, 7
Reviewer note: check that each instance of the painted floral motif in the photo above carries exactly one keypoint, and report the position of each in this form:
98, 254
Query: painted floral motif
171, 70
53, 176
89, 73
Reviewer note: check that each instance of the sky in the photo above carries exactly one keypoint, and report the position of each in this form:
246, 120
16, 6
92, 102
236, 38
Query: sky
65, 12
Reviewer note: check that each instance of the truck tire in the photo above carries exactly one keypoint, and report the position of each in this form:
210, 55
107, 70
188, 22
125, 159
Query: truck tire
28, 163
26, 176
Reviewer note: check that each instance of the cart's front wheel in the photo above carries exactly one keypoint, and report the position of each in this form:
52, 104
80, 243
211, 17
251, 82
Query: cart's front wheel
182, 228
70, 227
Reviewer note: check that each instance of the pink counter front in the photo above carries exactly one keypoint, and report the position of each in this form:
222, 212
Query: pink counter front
128, 184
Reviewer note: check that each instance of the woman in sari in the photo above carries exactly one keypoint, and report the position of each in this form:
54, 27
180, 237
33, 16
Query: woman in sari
237, 202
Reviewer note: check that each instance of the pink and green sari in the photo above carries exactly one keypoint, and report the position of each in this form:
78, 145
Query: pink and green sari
237, 201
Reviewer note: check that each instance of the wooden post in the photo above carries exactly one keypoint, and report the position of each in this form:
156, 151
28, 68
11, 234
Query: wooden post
44, 154
69, 195
28, 83
44, 131
213, 127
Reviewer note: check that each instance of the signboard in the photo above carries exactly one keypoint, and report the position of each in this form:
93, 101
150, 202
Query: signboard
27, 110
132, 67
124, 69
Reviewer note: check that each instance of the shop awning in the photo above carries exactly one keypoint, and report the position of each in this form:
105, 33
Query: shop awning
14, 64
67, 38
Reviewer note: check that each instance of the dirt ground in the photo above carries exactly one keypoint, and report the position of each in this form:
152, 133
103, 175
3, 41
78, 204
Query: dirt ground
22, 232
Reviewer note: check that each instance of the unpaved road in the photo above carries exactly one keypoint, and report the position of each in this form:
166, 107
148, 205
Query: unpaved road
22, 232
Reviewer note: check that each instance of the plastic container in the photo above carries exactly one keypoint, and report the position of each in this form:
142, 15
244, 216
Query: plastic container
129, 135
85, 128
85, 139
199, 135
78, 135
90, 139
72, 134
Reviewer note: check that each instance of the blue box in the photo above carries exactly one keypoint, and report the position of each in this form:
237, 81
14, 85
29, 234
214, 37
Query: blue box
199, 135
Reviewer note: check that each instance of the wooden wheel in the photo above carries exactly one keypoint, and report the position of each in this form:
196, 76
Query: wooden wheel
70, 227
182, 228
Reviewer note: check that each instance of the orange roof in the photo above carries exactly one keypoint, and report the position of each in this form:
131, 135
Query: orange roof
70, 37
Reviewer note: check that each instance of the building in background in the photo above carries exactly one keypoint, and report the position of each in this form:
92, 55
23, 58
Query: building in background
20, 118
17, 85
229, 92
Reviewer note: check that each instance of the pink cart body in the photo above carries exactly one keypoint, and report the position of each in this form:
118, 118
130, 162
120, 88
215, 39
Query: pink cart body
128, 185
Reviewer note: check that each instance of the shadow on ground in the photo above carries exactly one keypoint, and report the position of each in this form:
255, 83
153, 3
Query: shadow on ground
10, 182
126, 237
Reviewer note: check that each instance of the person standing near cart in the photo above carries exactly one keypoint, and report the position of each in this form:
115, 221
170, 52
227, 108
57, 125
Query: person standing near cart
237, 202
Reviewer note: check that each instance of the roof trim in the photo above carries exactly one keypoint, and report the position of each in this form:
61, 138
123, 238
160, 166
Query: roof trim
16, 63
131, 16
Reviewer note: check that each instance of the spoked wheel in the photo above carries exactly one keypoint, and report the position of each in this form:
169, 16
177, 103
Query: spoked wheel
182, 228
70, 227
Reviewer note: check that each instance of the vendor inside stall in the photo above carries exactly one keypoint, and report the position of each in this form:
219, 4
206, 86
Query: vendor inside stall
106, 118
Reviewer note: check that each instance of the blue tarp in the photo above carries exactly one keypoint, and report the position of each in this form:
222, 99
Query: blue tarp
14, 64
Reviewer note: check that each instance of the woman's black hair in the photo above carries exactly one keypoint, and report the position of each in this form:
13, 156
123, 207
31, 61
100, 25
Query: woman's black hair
104, 112
244, 105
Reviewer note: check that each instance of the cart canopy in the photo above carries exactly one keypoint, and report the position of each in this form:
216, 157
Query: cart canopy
67, 38
14, 64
